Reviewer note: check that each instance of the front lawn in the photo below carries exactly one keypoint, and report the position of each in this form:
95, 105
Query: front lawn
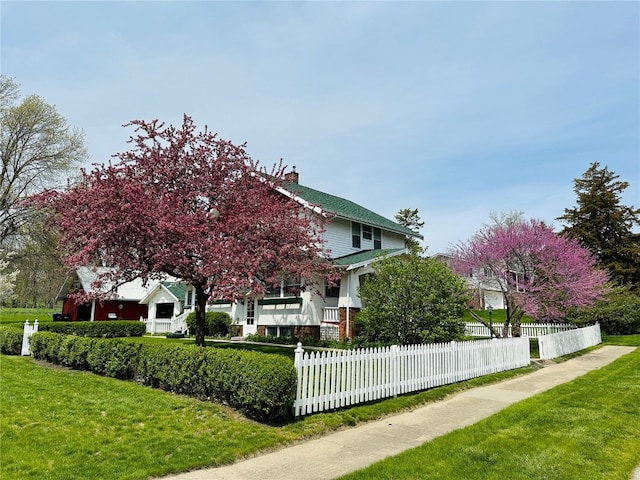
587, 428
63, 424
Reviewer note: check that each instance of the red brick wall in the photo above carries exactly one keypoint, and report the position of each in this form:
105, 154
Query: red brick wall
342, 327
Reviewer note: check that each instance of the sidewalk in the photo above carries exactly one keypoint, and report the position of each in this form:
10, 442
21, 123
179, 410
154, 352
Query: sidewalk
340, 453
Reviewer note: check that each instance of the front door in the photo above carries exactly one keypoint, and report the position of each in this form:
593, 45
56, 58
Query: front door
250, 327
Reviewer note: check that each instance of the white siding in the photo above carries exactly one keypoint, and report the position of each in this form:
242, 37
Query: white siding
338, 239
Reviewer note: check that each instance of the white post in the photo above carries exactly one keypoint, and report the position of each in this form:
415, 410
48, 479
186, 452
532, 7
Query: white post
299, 351
395, 369
26, 336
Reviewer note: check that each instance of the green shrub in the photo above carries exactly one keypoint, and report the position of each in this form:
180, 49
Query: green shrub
269, 339
260, 385
11, 339
46, 346
618, 314
106, 329
216, 324
113, 357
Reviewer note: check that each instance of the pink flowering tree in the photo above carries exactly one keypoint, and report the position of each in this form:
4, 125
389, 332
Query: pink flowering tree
539, 272
187, 204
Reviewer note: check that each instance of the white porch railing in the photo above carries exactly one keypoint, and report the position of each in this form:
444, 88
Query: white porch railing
338, 378
166, 325
563, 343
533, 330
330, 315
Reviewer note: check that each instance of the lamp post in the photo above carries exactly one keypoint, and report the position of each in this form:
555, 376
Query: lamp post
490, 309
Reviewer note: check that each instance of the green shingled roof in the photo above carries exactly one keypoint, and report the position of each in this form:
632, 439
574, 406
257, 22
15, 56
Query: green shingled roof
178, 289
347, 209
363, 256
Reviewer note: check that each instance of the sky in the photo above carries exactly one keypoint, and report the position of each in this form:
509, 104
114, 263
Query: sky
458, 109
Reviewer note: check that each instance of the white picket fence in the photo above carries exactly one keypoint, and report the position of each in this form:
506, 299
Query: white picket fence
533, 330
338, 378
563, 343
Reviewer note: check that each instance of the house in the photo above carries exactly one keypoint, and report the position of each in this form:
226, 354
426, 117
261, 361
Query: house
161, 304
485, 288
124, 306
355, 238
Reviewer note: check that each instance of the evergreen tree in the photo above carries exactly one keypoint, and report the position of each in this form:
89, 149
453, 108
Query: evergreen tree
604, 226
411, 219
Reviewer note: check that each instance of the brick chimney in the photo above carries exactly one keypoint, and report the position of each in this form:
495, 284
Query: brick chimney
292, 176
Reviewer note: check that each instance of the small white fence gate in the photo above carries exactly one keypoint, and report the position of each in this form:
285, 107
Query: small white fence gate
338, 378
27, 331
564, 343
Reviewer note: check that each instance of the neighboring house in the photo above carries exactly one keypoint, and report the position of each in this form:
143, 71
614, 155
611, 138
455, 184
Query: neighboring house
124, 306
485, 289
354, 239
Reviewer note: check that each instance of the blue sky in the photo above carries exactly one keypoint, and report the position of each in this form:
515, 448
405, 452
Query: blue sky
455, 108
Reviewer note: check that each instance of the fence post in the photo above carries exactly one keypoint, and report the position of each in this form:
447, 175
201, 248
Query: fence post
28, 330
395, 369
299, 351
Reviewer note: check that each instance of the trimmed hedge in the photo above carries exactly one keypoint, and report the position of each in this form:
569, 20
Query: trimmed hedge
260, 385
11, 339
216, 324
105, 329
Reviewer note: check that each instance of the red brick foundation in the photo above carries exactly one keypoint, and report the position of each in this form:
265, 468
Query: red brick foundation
342, 327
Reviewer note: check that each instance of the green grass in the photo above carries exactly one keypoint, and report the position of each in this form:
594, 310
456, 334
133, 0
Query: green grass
19, 315
76, 425
587, 428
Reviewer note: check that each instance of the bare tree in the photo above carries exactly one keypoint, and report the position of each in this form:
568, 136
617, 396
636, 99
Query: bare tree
38, 150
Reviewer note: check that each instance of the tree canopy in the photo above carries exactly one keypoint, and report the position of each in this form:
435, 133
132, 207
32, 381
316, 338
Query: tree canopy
410, 218
538, 271
187, 204
603, 225
38, 150
410, 299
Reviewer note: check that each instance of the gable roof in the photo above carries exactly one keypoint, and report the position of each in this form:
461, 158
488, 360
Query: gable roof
346, 209
133, 290
176, 289
366, 257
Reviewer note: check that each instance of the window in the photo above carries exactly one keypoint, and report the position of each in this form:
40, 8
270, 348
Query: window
278, 331
289, 287
355, 235
251, 312
332, 292
164, 310
377, 239
189, 302
366, 232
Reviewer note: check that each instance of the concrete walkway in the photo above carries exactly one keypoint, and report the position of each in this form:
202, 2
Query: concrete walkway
339, 453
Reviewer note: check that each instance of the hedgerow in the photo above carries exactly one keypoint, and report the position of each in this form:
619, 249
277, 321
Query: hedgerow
11, 339
106, 329
260, 385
